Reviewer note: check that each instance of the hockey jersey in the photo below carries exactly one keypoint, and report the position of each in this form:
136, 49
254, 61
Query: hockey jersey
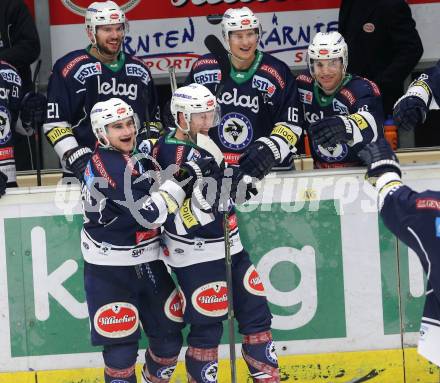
10, 96
78, 81
427, 87
120, 219
415, 219
357, 98
251, 102
192, 236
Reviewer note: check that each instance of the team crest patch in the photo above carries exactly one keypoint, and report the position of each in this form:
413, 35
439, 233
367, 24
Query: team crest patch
209, 372
235, 131
175, 306
252, 282
211, 299
335, 153
5, 126
116, 320
271, 353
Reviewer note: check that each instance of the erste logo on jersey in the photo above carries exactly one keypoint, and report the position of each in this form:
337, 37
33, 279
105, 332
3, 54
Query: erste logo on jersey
137, 70
305, 96
340, 107
252, 282
10, 76
87, 70
116, 320
211, 299
208, 77
263, 85
5, 125
235, 131
175, 306
335, 153
121, 89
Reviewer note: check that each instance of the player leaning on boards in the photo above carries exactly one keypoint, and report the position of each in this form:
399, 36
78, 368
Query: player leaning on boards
83, 77
125, 282
422, 95
415, 219
198, 258
257, 101
342, 112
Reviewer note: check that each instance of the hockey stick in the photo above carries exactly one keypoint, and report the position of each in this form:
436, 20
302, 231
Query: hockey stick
35, 126
221, 54
173, 81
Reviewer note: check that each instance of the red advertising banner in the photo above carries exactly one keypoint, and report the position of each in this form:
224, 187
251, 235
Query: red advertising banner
30, 4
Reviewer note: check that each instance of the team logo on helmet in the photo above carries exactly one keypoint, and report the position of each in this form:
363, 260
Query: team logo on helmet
211, 299
175, 306
5, 126
235, 131
79, 7
252, 282
116, 320
209, 372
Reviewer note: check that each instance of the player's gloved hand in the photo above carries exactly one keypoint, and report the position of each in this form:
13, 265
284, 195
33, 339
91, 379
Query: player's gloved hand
409, 112
77, 159
3, 183
331, 131
259, 159
380, 159
33, 109
242, 187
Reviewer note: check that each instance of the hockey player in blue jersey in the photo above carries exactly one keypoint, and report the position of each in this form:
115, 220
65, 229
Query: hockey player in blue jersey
257, 99
415, 219
341, 112
125, 282
422, 95
83, 77
10, 97
198, 258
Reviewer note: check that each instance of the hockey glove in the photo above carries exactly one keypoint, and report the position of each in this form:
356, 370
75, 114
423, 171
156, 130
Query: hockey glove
409, 112
380, 159
33, 109
241, 189
259, 159
331, 131
77, 159
3, 183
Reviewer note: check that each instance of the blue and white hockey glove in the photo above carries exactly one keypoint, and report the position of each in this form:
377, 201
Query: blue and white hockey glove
409, 112
77, 159
380, 159
331, 131
259, 159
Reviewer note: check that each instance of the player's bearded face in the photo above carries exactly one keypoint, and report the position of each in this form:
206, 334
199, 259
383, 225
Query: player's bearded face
122, 135
202, 122
328, 73
243, 44
109, 38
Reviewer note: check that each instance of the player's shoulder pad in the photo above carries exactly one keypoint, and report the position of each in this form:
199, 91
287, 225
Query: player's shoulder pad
9, 73
69, 63
110, 165
361, 87
304, 79
205, 61
275, 69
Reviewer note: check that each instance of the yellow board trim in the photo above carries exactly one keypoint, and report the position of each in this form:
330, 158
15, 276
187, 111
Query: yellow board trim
380, 366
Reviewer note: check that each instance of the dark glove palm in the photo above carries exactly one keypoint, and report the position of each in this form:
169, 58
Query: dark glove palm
330, 131
379, 158
257, 161
409, 112
33, 109
241, 191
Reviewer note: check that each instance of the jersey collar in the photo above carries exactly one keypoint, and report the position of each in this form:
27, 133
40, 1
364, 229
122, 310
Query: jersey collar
115, 66
241, 77
326, 99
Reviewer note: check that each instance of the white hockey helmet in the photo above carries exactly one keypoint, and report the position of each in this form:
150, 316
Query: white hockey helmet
325, 46
104, 13
191, 99
239, 19
106, 112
